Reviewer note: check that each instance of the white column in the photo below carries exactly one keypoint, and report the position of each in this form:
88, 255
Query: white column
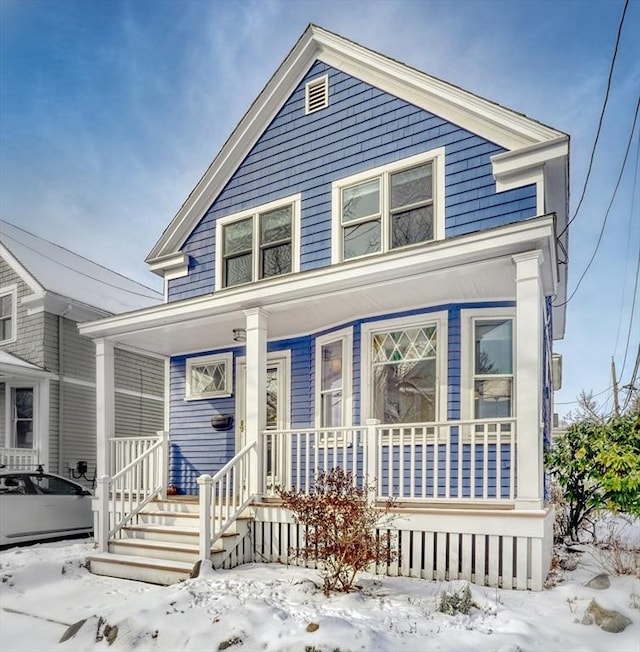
105, 404
256, 389
528, 380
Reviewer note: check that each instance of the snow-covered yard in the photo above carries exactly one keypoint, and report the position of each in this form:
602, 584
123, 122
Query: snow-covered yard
45, 588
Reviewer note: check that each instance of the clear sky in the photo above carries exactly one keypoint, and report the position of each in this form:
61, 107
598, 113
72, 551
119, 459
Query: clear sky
111, 111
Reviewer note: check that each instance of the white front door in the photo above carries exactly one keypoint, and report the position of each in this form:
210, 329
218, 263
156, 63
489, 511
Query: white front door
278, 395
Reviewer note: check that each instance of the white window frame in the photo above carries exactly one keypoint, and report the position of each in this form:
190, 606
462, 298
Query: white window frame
294, 201
10, 428
468, 319
322, 81
383, 172
345, 336
12, 291
226, 359
440, 321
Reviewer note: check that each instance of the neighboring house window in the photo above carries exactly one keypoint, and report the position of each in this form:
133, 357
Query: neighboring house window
8, 312
209, 376
258, 244
493, 368
391, 207
22, 417
316, 94
407, 369
333, 379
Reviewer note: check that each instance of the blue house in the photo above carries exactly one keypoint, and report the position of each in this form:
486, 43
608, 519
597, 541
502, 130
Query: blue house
370, 274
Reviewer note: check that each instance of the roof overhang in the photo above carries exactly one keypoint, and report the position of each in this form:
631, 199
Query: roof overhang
507, 128
14, 368
64, 306
468, 268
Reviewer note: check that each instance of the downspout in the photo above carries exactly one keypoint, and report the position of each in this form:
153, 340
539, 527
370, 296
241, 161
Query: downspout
61, 467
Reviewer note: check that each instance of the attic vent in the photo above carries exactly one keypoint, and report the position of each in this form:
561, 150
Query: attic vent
317, 94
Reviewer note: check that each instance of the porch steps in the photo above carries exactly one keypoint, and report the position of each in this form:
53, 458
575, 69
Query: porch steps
162, 547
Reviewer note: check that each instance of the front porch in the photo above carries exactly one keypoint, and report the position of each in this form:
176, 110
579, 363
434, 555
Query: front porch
456, 485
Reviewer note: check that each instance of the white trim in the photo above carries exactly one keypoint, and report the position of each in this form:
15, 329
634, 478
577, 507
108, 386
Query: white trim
12, 291
440, 321
345, 335
197, 361
382, 172
118, 390
322, 81
295, 202
172, 266
10, 435
489, 120
20, 270
468, 317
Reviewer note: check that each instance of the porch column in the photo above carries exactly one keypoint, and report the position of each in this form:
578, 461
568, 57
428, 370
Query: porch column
256, 389
105, 405
528, 380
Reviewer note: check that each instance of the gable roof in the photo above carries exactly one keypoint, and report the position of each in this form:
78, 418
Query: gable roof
48, 268
507, 128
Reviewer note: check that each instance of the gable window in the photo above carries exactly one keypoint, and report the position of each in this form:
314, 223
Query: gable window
493, 368
390, 207
209, 376
333, 379
258, 244
8, 312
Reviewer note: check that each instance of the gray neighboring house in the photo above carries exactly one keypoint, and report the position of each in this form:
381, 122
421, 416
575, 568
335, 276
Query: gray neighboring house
48, 370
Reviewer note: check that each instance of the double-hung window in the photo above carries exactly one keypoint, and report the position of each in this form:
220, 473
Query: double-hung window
391, 207
333, 379
8, 310
22, 416
258, 244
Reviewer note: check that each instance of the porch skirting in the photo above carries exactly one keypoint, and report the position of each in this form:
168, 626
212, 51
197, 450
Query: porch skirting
441, 544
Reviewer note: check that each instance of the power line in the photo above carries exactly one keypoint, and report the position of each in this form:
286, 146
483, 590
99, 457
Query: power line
613, 196
578, 400
600, 121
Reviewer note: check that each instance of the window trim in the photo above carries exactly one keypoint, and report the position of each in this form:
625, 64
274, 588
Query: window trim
436, 156
9, 421
468, 318
440, 320
226, 358
11, 290
345, 336
294, 201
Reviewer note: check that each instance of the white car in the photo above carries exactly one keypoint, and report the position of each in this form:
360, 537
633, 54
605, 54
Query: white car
35, 506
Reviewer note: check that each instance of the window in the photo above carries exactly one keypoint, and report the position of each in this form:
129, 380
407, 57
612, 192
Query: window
209, 377
316, 94
493, 368
388, 208
8, 311
333, 379
258, 244
22, 421
404, 369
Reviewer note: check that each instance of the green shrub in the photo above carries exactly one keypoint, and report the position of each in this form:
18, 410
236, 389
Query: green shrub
452, 603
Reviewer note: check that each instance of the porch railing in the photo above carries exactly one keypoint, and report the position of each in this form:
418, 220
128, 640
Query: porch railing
123, 450
122, 496
19, 458
224, 496
451, 460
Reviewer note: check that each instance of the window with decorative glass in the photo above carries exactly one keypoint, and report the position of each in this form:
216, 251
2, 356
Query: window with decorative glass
394, 209
493, 368
258, 246
209, 377
404, 375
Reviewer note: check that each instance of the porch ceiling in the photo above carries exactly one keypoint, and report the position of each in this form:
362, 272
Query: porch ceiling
469, 268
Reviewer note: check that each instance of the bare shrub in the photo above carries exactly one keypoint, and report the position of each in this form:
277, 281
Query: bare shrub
618, 554
341, 521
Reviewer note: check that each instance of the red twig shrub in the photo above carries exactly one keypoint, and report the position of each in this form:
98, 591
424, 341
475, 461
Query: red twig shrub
340, 520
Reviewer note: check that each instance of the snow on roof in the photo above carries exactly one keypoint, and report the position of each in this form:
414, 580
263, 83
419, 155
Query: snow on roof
7, 359
69, 275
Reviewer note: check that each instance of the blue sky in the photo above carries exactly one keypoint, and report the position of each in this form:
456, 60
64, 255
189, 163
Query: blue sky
111, 111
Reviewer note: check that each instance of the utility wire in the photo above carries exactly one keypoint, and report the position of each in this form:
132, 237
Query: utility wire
578, 400
613, 196
600, 121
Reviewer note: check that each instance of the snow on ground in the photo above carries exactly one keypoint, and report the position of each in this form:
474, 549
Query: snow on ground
46, 587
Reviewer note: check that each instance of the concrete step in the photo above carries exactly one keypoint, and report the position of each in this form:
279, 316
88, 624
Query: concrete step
163, 550
154, 571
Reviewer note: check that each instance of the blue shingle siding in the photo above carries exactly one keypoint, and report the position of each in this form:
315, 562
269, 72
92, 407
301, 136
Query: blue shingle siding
363, 127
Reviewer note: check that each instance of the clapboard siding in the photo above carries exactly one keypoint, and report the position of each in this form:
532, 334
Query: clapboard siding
137, 416
363, 127
55, 463
79, 353
79, 425
138, 373
3, 425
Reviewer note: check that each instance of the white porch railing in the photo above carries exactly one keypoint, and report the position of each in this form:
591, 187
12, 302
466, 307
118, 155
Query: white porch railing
452, 460
224, 496
121, 497
123, 450
19, 458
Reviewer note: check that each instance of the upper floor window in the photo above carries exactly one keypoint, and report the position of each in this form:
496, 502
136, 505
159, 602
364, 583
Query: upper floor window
258, 244
8, 312
391, 207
